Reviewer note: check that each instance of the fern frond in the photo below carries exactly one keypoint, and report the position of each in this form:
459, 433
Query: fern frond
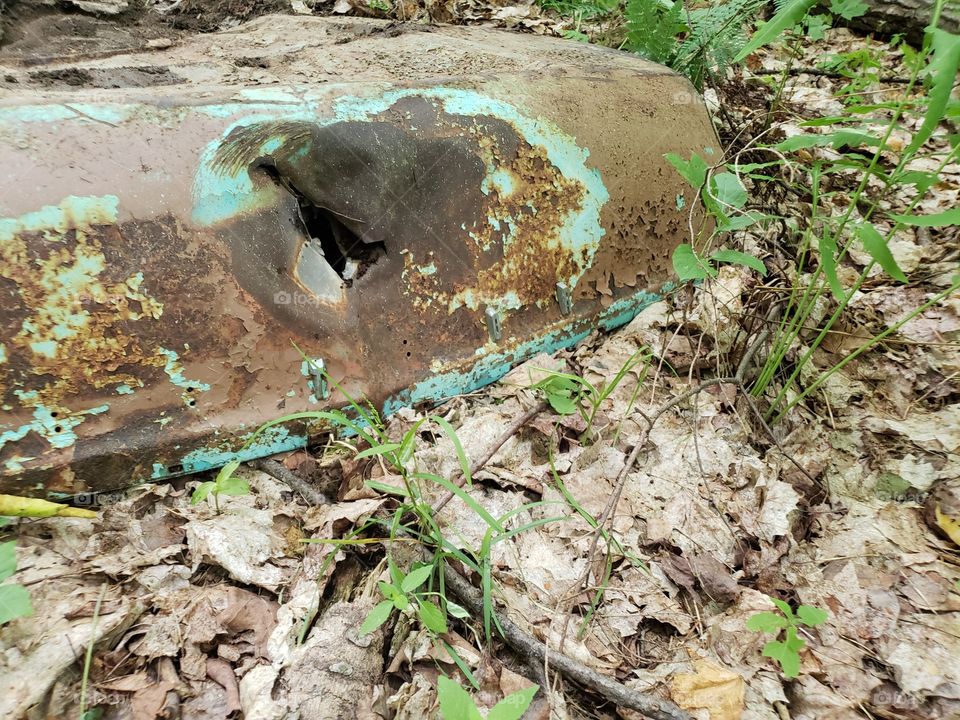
652, 28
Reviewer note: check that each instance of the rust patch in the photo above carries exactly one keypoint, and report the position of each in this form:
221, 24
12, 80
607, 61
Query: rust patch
71, 321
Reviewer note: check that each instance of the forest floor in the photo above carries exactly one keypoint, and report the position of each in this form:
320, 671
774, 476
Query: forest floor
195, 614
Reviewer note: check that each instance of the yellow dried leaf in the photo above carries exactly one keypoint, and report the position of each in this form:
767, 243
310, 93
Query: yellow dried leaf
16, 506
711, 686
950, 525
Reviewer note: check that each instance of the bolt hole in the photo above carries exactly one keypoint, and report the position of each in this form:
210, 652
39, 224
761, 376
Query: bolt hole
404, 342
408, 353
58, 429
54, 414
172, 469
190, 388
191, 402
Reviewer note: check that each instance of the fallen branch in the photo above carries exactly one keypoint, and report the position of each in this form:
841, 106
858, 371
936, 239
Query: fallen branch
614, 499
291, 479
534, 651
478, 465
817, 72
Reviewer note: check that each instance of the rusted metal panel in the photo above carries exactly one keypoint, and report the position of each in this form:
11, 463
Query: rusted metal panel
167, 253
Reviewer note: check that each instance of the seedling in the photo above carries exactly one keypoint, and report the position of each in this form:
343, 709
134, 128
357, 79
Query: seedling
226, 483
724, 198
404, 596
568, 394
787, 651
456, 703
14, 598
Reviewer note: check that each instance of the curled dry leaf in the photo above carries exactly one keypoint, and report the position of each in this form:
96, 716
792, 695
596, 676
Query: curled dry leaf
712, 687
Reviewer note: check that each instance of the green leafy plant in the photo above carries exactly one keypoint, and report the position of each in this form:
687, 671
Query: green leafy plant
404, 596
568, 394
698, 41
825, 242
419, 592
226, 483
14, 598
456, 703
724, 198
581, 10
786, 652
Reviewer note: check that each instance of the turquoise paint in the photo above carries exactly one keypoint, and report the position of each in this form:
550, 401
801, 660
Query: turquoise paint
58, 431
499, 180
270, 95
112, 114
47, 348
3, 353
72, 210
124, 389
491, 364
270, 442
174, 370
305, 368
15, 464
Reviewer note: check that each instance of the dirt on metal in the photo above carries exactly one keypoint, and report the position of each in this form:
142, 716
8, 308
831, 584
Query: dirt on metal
179, 249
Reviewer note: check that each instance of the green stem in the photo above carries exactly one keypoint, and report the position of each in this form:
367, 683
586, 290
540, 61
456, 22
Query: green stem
869, 344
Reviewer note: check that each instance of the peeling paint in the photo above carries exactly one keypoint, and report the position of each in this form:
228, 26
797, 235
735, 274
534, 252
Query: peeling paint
55, 426
128, 309
270, 442
489, 364
174, 370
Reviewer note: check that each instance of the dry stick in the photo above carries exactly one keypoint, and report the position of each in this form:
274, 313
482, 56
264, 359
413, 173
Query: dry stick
478, 465
769, 431
635, 453
533, 650
291, 479
529, 648
817, 72
611, 505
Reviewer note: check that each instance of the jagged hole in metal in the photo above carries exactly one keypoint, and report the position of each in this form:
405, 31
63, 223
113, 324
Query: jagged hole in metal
349, 255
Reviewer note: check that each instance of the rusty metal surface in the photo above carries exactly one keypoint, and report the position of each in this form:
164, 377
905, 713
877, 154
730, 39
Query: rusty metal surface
166, 252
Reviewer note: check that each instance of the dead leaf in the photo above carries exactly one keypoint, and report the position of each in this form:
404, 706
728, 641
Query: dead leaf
710, 686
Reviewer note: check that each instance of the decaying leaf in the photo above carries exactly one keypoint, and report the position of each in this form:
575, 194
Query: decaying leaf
710, 686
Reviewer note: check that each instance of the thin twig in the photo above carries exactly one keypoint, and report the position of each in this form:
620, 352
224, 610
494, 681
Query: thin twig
291, 479
610, 508
817, 72
535, 652
651, 420
478, 465
769, 431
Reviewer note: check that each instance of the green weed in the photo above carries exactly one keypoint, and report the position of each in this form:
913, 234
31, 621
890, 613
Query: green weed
568, 394
226, 483
827, 239
14, 598
419, 591
786, 652
456, 703
724, 198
